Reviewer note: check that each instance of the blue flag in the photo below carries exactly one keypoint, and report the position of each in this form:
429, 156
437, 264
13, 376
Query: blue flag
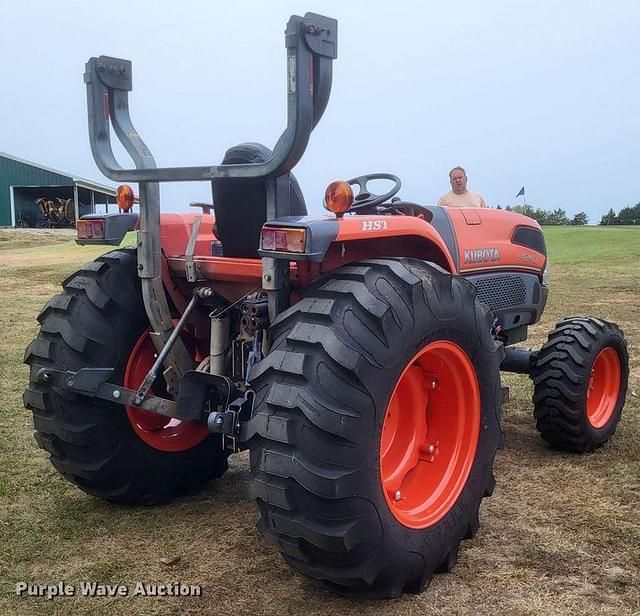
521, 193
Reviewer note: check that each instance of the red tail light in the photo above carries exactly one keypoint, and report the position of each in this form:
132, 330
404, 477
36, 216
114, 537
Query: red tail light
282, 239
91, 229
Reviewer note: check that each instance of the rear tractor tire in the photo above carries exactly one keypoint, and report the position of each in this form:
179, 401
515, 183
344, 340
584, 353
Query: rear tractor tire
376, 426
117, 453
580, 383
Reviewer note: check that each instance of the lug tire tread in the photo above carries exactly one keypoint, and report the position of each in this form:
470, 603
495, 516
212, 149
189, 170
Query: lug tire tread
94, 322
314, 417
560, 375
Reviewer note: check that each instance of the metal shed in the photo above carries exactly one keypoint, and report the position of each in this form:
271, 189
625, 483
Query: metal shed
22, 182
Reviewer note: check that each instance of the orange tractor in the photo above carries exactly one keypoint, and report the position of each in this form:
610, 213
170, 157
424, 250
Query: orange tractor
356, 355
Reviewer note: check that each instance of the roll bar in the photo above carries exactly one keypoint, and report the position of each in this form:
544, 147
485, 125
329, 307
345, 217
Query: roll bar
311, 43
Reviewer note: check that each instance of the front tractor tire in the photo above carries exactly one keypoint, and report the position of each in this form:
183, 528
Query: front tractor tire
376, 426
119, 454
580, 383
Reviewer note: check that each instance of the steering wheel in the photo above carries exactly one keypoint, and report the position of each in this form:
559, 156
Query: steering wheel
365, 199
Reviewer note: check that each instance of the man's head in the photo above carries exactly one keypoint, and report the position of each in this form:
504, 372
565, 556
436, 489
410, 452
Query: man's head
458, 179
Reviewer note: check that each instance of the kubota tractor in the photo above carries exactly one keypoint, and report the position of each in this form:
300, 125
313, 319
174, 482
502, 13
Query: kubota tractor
357, 355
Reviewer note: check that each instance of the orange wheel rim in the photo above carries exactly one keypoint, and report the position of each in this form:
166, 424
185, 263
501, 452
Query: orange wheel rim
430, 434
603, 388
163, 433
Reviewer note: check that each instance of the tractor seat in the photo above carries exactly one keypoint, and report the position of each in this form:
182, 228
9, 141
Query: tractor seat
240, 205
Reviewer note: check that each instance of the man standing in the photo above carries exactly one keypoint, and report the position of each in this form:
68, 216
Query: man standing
459, 196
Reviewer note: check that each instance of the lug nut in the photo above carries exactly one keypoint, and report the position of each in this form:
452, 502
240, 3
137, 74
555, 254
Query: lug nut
398, 495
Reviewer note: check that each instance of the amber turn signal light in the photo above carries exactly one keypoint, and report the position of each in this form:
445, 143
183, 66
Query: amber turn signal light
338, 197
125, 197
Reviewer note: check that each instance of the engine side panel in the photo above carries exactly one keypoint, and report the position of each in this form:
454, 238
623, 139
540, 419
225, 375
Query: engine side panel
485, 240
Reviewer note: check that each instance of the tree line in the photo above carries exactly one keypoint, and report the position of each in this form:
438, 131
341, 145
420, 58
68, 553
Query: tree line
549, 217
627, 215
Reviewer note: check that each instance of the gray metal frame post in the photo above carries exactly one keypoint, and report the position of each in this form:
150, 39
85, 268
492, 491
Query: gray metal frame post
311, 43
76, 204
115, 101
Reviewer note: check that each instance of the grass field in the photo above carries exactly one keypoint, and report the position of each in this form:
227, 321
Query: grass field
561, 534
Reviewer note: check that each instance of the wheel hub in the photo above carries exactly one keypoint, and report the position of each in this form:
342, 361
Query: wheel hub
430, 434
603, 387
163, 433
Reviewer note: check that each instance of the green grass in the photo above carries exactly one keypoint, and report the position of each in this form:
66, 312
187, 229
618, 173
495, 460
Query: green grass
12, 240
559, 536
594, 245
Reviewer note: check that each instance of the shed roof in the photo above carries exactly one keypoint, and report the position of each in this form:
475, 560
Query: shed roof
75, 179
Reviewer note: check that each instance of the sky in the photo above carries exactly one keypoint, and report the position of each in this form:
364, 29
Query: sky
541, 94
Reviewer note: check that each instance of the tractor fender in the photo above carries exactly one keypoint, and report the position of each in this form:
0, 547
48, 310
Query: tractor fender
175, 230
406, 236
333, 242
